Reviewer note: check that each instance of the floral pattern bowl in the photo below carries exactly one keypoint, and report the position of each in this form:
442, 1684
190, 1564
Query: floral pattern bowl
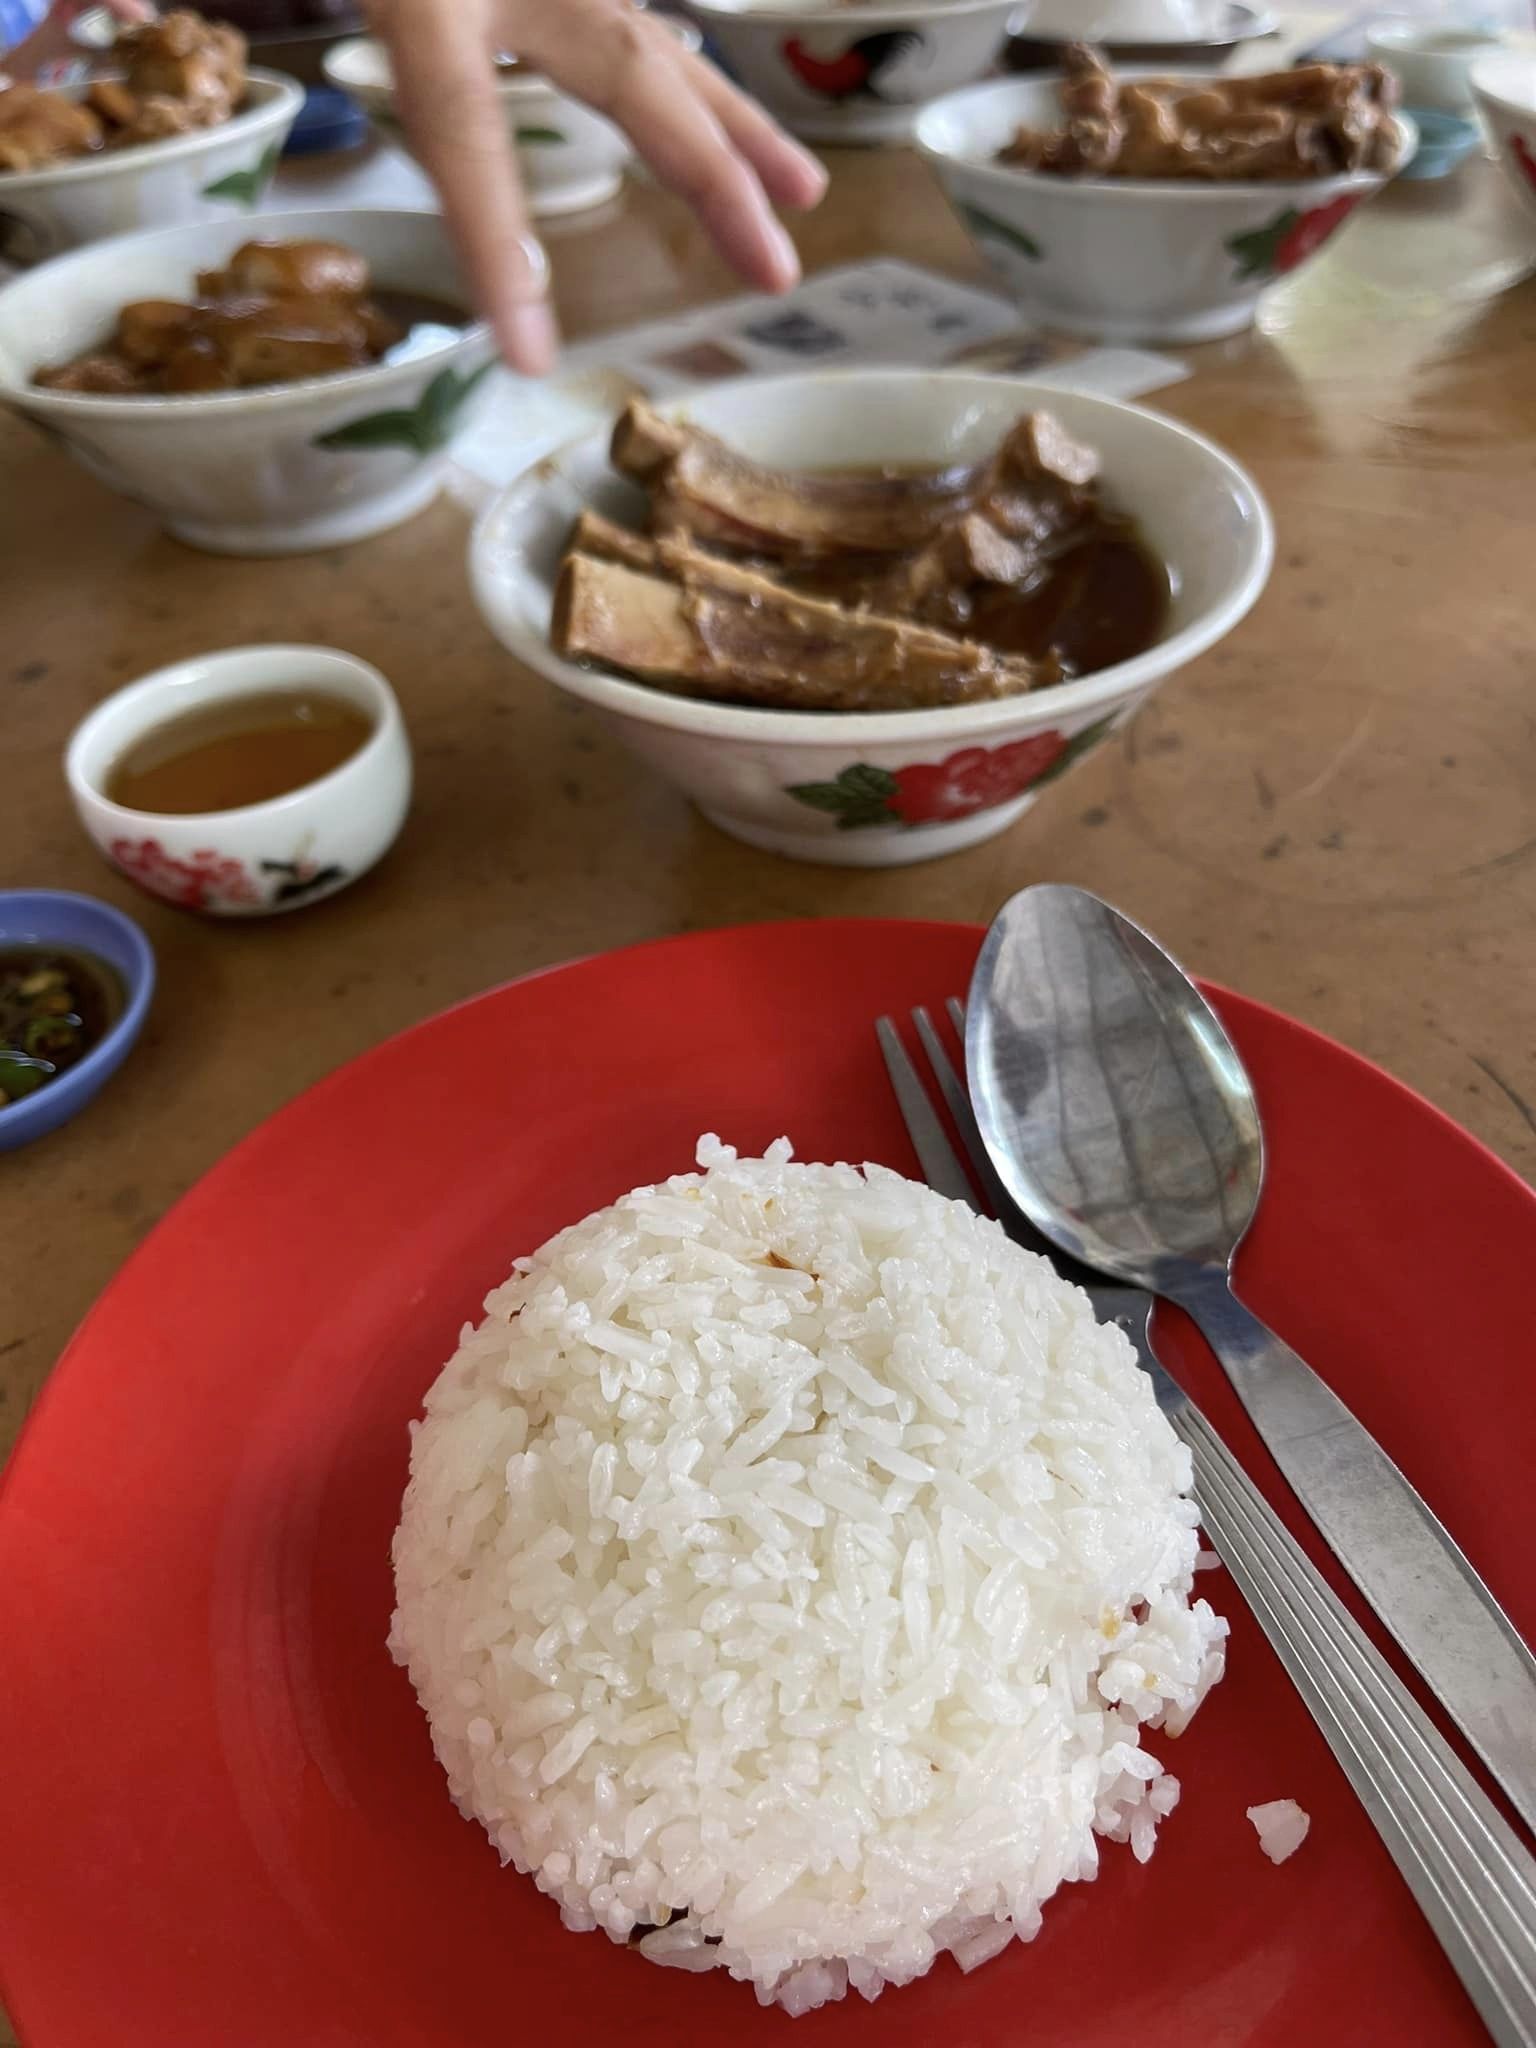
1127, 259
209, 174
266, 857
835, 73
880, 789
571, 158
1504, 90
273, 471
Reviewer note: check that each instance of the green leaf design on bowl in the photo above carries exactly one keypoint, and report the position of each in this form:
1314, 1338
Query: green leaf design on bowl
1256, 252
244, 188
422, 428
541, 138
988, 227
861, 795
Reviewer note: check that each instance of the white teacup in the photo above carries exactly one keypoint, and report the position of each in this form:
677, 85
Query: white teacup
278, 855
1432, 61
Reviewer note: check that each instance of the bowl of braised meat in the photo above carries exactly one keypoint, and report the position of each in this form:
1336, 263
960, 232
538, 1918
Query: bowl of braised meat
287, 382
177, 128
866, 617
1133, 205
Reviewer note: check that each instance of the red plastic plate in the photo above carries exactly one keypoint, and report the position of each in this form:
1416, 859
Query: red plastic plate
220, 1818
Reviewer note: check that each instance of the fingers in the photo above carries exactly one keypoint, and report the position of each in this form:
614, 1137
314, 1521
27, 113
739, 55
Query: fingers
445, 86
637, 74
791, 176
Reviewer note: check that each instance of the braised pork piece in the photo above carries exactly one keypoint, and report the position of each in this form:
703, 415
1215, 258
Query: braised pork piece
179, 73
1312, 122
276, 312
836, 591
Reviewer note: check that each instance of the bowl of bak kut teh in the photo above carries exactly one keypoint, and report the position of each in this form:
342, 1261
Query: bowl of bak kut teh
244, 783
178, 128
1130, 205
285, 382
867, 617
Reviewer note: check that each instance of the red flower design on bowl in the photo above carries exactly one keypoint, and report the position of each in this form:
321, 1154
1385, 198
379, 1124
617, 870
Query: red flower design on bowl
204, 880
1290, 238
974, 779
935, 793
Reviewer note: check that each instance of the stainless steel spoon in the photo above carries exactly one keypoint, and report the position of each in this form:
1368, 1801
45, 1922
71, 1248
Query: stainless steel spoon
1119, 1117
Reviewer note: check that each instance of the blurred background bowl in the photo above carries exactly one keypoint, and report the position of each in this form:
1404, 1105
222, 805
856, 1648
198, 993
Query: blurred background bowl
57, 917
1205, 43
978, 766
270, 471
854, 74
1126, 259
571, 158
209, 174
1504, 92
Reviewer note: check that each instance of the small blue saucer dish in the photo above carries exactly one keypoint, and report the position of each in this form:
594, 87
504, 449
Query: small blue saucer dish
54, 918
1445, 142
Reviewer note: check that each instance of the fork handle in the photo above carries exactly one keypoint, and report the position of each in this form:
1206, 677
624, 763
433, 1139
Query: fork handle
1387, 1537
1472, 1877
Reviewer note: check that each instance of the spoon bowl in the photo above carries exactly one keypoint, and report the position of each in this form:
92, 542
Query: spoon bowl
1115, 1106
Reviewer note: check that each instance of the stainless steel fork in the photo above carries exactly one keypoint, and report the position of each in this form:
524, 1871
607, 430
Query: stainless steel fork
1469, 1871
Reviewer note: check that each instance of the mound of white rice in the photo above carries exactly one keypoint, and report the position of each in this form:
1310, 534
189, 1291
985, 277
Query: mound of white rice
791, 1565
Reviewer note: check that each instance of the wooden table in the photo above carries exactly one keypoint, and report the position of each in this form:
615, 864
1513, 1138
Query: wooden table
1335, 811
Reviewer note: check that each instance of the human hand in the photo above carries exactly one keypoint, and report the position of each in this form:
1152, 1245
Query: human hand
701, 138
50, 43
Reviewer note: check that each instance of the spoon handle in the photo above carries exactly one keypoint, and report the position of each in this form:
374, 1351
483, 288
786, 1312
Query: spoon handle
1389, 1540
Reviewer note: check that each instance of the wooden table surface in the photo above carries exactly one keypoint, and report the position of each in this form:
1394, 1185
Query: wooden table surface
1335, 811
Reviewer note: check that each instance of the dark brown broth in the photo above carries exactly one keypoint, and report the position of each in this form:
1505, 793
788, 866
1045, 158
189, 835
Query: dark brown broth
1100, 597
245, 750
56, 1005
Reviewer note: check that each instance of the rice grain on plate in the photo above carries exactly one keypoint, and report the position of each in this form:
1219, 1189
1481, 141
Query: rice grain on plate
791, 1566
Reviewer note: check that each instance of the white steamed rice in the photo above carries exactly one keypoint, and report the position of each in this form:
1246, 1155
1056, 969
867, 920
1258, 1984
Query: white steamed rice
791, 1564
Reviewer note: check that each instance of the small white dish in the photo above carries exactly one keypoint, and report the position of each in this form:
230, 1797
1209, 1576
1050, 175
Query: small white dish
855, 74
1432, 61
209, 174
267, 857
945, 778
571, 158
1127, 259
1504, 92
272, 471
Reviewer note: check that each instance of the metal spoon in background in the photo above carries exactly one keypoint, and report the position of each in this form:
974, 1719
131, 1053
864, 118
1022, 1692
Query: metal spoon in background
1119, 1117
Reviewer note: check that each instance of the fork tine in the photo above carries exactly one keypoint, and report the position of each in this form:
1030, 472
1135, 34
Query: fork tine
958, 1100
938, 1158
956, 1011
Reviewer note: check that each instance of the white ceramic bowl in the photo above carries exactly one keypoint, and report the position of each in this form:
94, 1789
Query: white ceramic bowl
263, 472
1432, 62
265, 857
855, 74
1126, 259
211, 174
571, 158
1504, 92
926, 782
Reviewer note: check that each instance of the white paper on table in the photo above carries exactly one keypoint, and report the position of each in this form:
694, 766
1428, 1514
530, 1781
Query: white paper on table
881, 312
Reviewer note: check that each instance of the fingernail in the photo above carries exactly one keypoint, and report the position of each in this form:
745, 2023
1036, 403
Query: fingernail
786, 257
531, 338
536, 258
